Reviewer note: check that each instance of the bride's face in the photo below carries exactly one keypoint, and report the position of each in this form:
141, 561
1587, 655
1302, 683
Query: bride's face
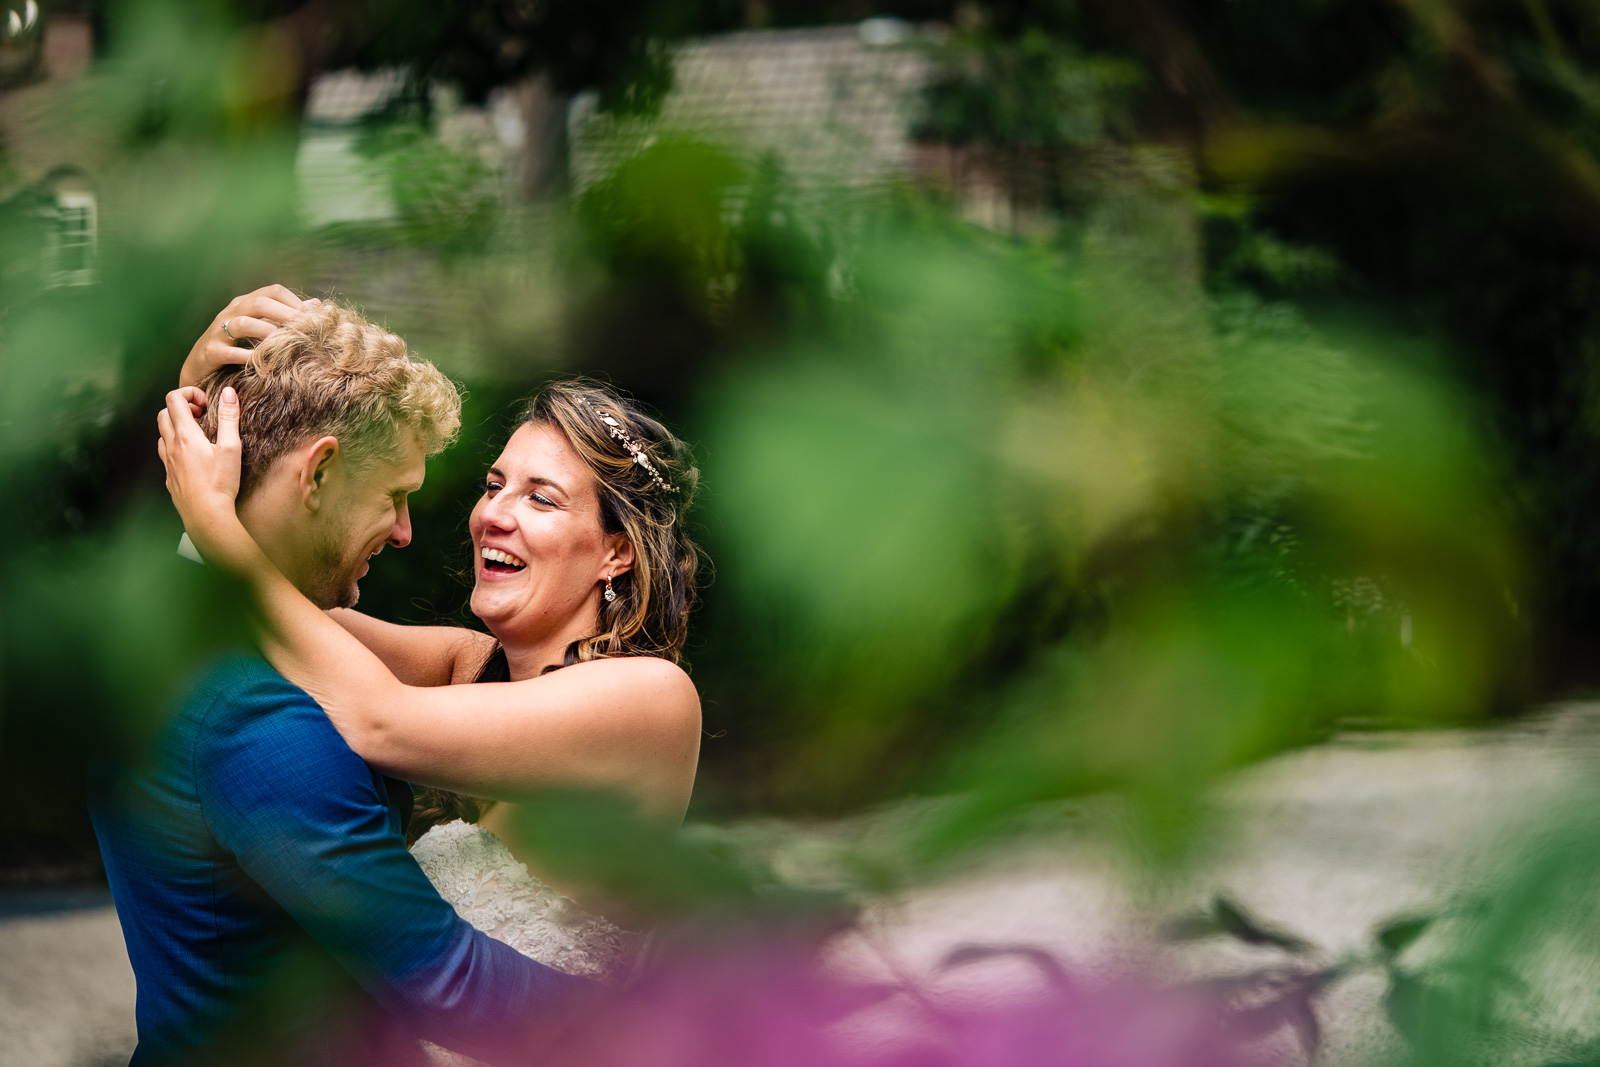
539, 546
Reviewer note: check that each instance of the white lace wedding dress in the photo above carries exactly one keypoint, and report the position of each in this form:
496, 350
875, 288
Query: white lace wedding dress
478, 875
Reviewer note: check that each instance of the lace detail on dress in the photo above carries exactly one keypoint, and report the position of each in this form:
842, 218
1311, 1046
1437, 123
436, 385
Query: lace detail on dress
482, 880
478, 875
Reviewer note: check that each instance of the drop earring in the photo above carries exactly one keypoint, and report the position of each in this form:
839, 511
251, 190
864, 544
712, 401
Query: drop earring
610, 593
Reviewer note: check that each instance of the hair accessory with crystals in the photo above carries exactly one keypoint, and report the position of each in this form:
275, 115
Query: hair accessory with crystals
634, 448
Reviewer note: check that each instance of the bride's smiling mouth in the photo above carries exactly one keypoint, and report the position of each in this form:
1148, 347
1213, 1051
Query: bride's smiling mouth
499, 561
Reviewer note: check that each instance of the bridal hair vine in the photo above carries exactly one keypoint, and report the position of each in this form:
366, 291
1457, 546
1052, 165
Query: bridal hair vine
635, 449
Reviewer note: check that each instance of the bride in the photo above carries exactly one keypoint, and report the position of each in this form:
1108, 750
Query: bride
584, 577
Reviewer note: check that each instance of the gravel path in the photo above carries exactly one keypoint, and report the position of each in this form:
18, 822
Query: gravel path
66, 990
1328, 844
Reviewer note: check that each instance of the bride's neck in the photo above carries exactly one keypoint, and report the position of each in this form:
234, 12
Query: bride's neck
530, 661
530, 655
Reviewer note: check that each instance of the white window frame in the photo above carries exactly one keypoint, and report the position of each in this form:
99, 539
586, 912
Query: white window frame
76, 201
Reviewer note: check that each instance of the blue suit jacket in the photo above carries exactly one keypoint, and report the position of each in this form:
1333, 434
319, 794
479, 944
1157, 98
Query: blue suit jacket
250, 848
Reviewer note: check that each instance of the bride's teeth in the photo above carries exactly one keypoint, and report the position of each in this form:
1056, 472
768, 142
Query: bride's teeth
494, 555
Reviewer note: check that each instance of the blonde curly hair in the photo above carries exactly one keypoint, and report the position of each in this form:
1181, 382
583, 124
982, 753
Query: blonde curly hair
331, 372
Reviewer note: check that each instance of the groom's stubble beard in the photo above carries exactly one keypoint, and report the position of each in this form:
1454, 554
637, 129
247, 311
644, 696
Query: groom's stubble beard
334, 566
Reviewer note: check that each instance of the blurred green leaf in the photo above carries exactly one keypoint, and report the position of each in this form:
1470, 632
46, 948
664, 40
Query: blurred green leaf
1395, 937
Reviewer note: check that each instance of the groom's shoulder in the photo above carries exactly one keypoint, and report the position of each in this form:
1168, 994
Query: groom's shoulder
248, 717
240, 681
239, 691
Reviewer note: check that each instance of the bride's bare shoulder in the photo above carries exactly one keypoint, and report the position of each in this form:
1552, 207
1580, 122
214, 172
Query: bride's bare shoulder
647, 682
637, 670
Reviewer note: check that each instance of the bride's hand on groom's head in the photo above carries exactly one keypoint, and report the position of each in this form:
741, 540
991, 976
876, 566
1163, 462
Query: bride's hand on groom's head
238, 328
202, 477
196, 399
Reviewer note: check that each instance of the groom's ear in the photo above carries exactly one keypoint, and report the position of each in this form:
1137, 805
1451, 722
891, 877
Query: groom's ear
316, 462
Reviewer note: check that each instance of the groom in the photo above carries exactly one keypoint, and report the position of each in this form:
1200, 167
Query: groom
258, 865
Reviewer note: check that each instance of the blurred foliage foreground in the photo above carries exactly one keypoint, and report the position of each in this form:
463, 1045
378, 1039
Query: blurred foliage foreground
1001, 519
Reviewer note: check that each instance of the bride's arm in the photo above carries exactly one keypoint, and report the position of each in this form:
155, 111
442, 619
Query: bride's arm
630, 725
419, 655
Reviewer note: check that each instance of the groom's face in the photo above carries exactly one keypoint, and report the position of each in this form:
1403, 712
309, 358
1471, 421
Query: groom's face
365, 509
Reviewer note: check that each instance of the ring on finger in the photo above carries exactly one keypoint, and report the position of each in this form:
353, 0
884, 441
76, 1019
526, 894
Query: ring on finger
226, 332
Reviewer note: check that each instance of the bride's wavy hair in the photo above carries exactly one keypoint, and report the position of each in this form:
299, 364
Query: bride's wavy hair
645, 479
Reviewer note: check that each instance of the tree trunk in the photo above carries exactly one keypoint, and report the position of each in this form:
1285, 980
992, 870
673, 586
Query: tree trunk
542, 162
